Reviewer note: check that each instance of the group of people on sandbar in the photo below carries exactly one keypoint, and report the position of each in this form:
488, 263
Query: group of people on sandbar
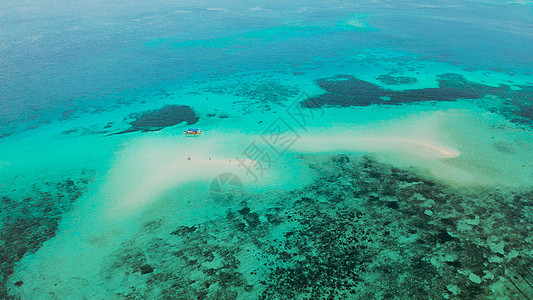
189, 158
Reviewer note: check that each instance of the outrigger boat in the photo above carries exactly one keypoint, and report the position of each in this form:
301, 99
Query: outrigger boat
192, 131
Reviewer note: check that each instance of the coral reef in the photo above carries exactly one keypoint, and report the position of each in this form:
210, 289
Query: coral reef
260, 95
30, 220
378, 232
346, 90
396, 80
363, 229
154, 120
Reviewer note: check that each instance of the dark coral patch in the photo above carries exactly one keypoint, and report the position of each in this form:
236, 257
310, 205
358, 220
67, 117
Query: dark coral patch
444, 236
396, 80
346, 90
252, 219
146, 269
27, 222
184, 230
455, 264
3, 135
154, 120
520, 98
244, 211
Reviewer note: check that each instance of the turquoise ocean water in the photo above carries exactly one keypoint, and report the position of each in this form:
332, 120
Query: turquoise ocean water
351, 150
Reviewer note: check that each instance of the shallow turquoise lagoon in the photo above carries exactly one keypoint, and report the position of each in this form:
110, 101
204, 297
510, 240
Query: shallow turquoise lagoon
368, 150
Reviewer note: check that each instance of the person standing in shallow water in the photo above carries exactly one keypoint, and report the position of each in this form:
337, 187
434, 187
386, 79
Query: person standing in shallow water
188, 158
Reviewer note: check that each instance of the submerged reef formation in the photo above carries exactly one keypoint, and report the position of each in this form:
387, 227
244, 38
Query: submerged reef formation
29, 118
517, 102
377, 232
346, 90
90, 130
257, 95
31, 217
154, 120
363, 229
396, 80
197, 262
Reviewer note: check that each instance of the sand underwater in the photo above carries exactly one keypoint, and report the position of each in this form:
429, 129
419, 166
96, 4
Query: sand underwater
351, 151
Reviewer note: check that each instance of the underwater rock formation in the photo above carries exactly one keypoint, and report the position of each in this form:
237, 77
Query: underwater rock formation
396, 80
431, 244
30, 220
519, 100
266, 91
154, 120
257, 95
363, 229
346, 90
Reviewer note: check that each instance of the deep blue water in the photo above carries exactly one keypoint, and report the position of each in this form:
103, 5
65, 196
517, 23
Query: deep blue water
57, 55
